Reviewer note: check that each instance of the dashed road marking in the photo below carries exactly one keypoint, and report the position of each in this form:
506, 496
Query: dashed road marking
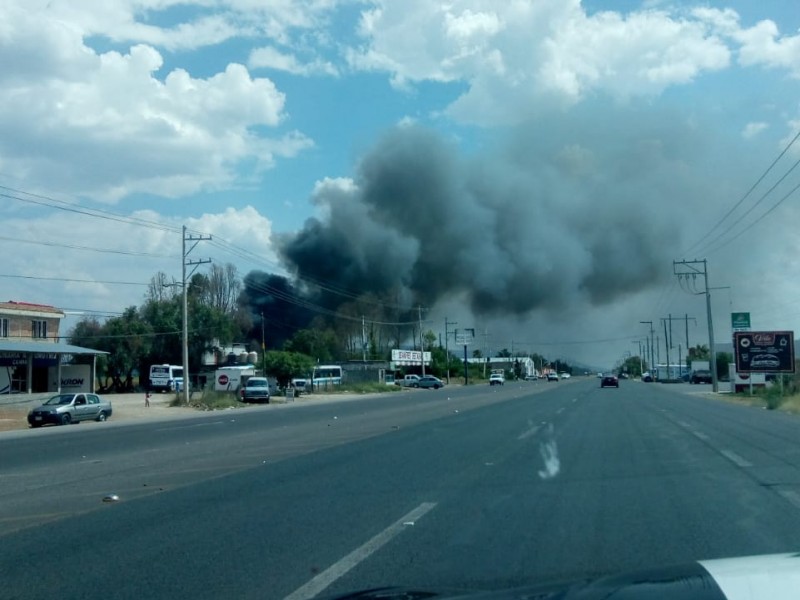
735, 458
317, 584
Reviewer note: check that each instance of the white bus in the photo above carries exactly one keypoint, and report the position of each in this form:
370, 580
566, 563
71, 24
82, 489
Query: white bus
166, 378
326, 375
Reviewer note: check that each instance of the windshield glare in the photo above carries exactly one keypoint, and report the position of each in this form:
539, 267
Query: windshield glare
60, 399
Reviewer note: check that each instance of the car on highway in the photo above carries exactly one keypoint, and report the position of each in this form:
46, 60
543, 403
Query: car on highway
300, 385
609, 380
532, 377
255, 389
497, 379
430, 382
700, 376
564, 375
647, 377
63, 409
551, 376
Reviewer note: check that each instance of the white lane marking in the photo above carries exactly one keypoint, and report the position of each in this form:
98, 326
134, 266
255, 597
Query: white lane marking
317, 584
560, 410
792, 496
684, 424
700, 435
735, 458
528, 433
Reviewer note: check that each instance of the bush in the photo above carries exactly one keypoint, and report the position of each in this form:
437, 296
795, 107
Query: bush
209, 401
364, 387
773, 397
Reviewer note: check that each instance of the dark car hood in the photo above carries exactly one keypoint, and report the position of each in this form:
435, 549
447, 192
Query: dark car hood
770, 577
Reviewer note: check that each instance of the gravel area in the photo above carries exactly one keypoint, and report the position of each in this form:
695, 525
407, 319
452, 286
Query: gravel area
131, 407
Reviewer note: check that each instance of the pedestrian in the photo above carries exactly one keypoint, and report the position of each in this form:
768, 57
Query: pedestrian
147, 399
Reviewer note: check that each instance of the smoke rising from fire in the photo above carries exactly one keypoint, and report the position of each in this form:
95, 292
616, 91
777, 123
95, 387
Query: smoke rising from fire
553, 218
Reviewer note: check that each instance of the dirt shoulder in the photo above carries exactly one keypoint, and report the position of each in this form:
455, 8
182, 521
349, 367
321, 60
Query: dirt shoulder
131, 407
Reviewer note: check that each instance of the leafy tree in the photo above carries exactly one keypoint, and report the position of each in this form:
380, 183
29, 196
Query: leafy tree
504, 353
699, 352
724, 359
319, 344
88, 332
128, 342
285, 365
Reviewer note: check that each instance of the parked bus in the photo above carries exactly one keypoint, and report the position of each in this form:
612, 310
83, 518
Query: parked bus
166, 378
326, 375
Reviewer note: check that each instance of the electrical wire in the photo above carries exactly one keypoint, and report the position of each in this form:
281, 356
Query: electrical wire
70, 280
744, 197
88, 248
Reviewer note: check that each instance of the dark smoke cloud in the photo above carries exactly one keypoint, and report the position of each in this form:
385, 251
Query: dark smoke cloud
585, 212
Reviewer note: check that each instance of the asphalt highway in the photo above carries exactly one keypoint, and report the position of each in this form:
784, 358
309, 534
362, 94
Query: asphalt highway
470, 488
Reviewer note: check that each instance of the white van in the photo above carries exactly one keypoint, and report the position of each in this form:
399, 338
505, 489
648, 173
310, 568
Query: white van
166, 378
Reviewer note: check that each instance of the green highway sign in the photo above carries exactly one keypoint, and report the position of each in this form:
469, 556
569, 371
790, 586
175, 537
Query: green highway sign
740, 321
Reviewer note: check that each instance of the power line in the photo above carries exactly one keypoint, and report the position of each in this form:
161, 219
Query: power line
67, 279
88, 248
745, 196
757, 221
99, 213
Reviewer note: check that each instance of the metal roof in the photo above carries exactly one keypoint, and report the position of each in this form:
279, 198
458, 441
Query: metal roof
45, 347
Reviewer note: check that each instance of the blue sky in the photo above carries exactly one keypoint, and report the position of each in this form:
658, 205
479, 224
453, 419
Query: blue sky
244, 119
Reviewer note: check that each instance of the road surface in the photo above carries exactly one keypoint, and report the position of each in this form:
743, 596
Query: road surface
476, 488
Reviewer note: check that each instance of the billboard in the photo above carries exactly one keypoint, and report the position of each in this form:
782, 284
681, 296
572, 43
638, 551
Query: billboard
410, 357
764, 351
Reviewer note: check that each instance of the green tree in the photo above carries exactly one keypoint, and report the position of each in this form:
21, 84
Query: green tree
128, 342
723, 360
320, 344
285, 365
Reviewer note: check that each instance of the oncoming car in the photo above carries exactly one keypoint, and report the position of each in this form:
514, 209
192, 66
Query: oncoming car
551, 376
64, 409
497, 379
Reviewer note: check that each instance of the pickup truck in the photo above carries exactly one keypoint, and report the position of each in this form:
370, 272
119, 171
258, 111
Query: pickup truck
409, 381
255, 389
497, 379
64, 409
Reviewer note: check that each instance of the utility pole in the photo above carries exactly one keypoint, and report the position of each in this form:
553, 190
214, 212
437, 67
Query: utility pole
421, 342
650, 343
363, 342
693, 268
666, 344
446, 350
263, 347
186, 262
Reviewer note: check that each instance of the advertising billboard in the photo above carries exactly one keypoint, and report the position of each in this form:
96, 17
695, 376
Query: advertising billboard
764, 351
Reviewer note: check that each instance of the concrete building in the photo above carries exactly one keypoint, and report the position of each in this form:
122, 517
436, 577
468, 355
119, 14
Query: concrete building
32, 356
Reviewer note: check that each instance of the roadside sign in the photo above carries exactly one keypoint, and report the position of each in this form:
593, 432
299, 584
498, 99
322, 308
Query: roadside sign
740, 321
764, 351
223, 379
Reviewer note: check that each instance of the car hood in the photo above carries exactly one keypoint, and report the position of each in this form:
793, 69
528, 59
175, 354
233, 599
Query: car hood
776, 577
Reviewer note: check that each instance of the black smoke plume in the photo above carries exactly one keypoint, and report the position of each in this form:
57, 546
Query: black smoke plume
556, 218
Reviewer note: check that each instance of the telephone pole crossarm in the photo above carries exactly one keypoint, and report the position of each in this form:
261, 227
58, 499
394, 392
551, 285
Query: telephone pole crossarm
684, 268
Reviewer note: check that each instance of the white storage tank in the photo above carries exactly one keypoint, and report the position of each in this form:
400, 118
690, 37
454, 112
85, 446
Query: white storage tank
252, 358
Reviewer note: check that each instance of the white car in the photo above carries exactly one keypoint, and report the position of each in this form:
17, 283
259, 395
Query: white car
497, 379
564, 375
